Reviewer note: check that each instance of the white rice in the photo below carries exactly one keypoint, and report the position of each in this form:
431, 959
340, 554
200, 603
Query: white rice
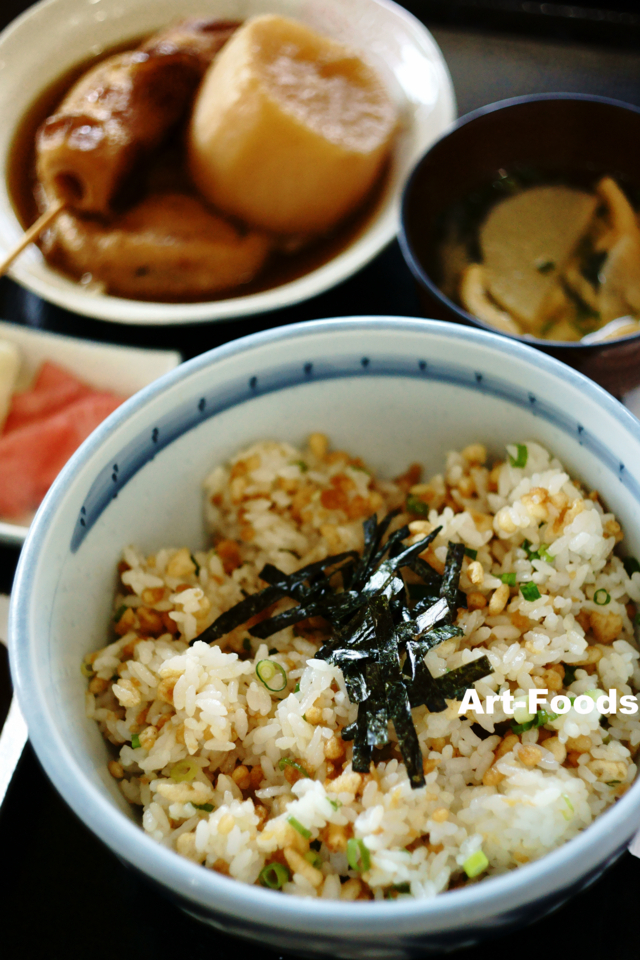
485, 790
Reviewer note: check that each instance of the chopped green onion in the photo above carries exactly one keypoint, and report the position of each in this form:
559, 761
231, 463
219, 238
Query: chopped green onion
521, 459
301, 464
207, 807
358, 855
530, 591
477, 863
86, 670
521, 712
314, 859
196, 564
631, 566
522, 727
135, 741
296, 689
397, 888
272, 675
120, 612
298, 826
542, 716
184, 771
274, 876
509, 579
472, 554
613, 783
602, 597
569, 674
567, 814
287, 762
334, 803
522, 719
416, 505
540, 553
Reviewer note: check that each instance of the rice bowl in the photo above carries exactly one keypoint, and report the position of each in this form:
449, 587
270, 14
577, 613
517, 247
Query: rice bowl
238, 752
387, 372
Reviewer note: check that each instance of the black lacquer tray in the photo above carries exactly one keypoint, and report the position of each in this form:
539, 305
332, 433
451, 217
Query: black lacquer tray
65, 895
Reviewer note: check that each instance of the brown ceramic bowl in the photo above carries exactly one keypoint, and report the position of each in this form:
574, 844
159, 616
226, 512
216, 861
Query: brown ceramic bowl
577, 137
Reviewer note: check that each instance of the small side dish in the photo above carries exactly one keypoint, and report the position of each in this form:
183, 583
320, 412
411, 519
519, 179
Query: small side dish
545, 259
286, 705
40, 427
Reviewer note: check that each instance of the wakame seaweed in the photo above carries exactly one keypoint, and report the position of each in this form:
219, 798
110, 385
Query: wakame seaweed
381, 630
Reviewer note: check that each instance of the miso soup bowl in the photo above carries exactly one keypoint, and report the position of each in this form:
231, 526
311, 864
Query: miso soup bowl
391, 390
577, 137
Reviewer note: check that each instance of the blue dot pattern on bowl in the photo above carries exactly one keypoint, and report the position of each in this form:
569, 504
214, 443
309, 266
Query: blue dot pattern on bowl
188, 415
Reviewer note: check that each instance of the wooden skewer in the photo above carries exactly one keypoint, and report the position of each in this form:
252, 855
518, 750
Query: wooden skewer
33, 233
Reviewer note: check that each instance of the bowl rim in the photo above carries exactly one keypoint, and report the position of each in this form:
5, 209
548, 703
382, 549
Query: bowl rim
554, 872
377, 234
415, 264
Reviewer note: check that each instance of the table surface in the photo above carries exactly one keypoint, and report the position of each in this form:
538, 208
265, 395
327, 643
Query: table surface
65, 888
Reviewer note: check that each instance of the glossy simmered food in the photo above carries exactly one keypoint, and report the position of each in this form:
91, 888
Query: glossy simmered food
289, 129
185, 174
120, 111
550, 261
168, 246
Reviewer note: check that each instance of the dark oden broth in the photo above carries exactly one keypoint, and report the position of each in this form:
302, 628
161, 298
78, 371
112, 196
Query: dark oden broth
280, 268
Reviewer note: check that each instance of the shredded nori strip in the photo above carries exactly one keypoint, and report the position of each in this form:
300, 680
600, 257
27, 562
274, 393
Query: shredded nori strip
397, 700
400, 711
373, 534
425, 690
451, 576
418, 648
437, 611
362, 750
243, 611
266, 628
424, 593
426, 571
381, 630
452, 685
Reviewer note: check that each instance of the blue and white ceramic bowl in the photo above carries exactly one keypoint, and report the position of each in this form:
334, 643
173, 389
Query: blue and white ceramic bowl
389, 389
